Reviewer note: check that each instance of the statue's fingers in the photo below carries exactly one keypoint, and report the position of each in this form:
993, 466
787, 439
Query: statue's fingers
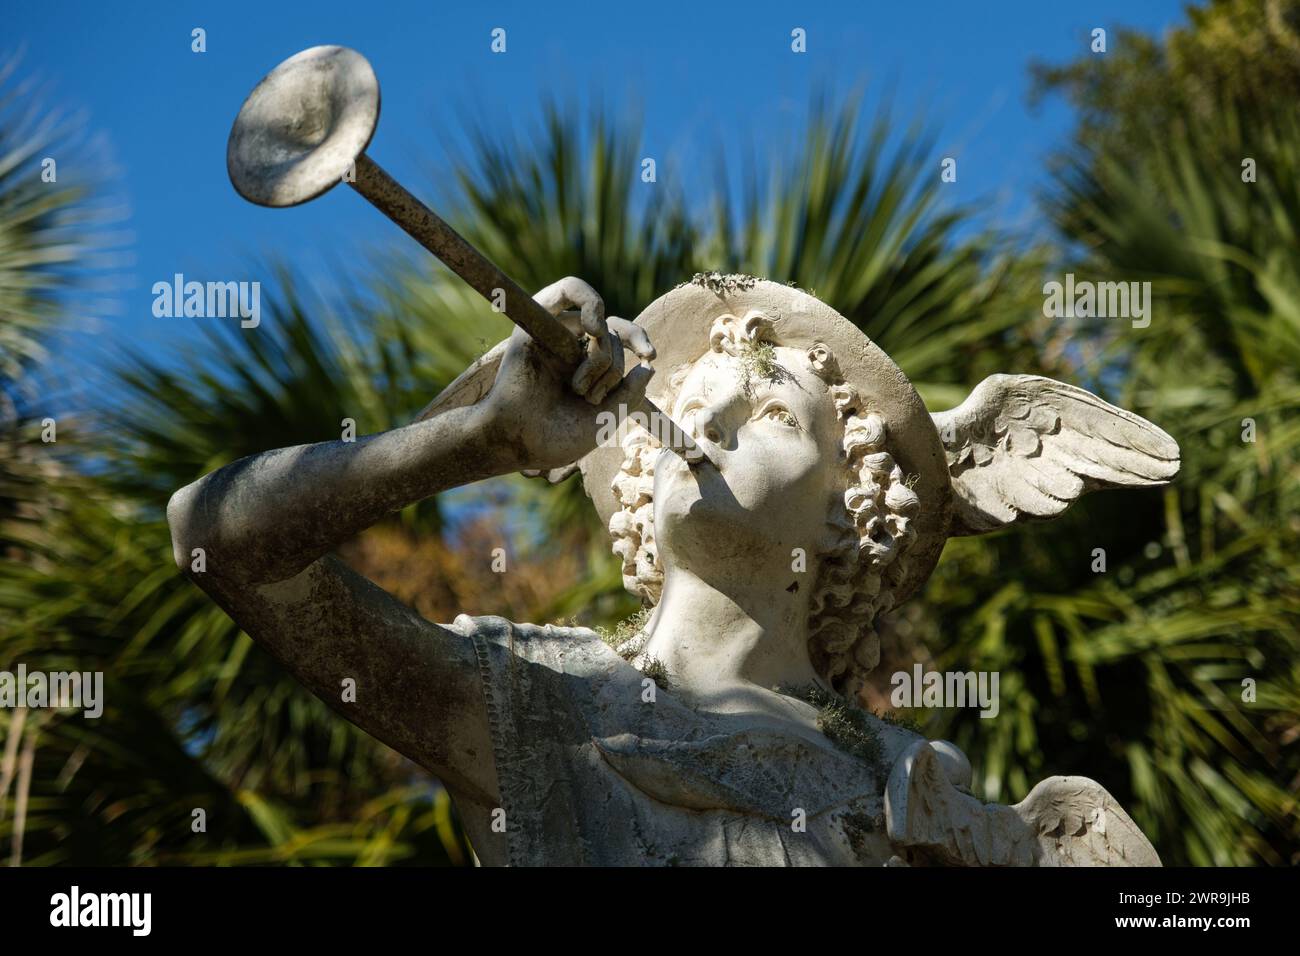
593, 317
584, 297
552, 298
571, 319
612, 376
633, 336
557, 475
554, 476
594, 365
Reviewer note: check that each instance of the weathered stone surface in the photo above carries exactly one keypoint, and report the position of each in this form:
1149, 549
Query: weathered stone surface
715, 733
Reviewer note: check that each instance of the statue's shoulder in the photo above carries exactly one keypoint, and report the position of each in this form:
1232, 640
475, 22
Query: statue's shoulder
507, 648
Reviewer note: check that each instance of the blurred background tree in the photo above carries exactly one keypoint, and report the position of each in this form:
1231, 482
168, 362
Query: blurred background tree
1182, 172
1133, 676
1244, 51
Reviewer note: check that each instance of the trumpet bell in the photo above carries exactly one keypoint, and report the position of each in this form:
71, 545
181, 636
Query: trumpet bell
299, 131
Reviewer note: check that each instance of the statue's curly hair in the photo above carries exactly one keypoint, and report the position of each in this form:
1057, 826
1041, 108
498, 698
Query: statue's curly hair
856, 576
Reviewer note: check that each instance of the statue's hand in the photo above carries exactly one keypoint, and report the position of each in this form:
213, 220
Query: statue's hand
545, 415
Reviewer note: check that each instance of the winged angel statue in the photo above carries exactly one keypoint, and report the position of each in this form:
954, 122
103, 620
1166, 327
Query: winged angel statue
822, 496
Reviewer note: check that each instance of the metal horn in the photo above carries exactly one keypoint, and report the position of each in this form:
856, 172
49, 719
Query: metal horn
299, 134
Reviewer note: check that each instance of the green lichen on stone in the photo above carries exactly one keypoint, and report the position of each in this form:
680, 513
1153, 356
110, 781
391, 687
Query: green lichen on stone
901, 719
847, 727
859, 827
656, 671
720, 284
759, 358
758, 361
624, 630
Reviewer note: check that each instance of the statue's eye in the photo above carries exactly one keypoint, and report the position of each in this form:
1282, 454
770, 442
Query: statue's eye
690, 408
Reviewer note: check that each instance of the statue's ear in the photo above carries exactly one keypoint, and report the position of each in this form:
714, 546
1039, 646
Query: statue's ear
1024, 447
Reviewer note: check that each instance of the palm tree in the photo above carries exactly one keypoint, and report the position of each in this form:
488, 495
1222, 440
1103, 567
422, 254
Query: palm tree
854, 216
48, 228
214, 724
196, 717
1100, 676
1127, 676
1211, 604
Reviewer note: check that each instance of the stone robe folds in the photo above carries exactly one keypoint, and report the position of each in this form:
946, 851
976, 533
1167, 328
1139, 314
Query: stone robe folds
593, 773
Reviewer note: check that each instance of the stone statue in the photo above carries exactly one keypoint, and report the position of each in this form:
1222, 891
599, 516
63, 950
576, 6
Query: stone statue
703, 737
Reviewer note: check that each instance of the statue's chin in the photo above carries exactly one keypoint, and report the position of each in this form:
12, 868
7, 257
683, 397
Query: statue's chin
707, 533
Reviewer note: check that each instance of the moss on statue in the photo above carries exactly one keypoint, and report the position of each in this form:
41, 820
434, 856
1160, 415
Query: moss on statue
848, 727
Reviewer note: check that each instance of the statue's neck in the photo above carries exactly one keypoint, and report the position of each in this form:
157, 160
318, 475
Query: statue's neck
717, 645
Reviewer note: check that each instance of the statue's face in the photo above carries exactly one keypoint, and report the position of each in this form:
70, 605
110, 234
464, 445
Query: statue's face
772, 434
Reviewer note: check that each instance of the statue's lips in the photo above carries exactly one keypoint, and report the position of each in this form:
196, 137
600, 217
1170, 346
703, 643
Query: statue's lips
709, 491
702, 468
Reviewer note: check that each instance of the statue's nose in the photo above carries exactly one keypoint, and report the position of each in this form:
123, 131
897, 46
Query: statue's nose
718, 422
709, 425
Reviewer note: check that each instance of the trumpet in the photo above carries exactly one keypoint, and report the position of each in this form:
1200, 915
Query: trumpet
305, 128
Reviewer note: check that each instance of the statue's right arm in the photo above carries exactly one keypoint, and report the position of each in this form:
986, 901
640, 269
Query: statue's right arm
265, 526
256, 535
265, 518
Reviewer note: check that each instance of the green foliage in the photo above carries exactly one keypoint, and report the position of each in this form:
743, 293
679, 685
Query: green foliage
856, 217
1243, 53
45, 235
624, 630
1132, 677
559, 200
1136, 676
197, 716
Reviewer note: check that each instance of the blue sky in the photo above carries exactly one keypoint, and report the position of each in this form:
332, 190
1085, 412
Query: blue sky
700, 74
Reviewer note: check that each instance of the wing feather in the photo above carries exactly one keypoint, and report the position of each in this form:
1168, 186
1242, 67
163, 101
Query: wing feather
1024, 447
